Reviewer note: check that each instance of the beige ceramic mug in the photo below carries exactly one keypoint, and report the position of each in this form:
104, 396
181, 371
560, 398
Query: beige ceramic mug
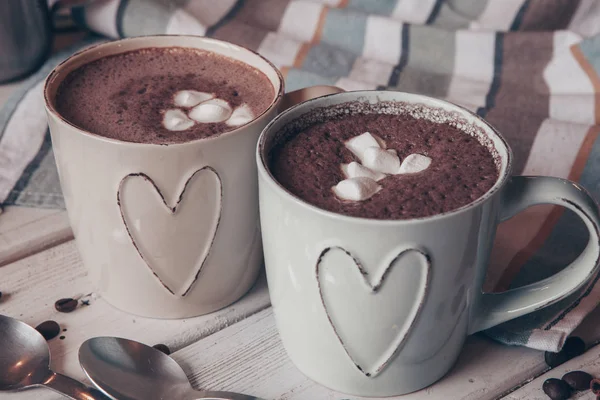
166, 231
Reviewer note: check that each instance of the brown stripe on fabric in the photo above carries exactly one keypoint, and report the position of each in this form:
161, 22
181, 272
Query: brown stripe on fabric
284, 71
301, 55
592, 75
544, 15
551, 220
265, 14
343, 4
250, 21
241, 34
320, 25
522, 101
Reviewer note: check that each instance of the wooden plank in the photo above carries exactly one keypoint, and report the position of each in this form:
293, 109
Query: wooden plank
249, 357
32, 285
25, 231
246, 356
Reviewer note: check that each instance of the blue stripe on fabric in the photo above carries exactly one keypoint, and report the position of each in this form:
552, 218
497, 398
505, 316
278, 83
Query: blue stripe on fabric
298, 79
78, 15
239, 4
345, 29
405, 44
378, 7
435, 11
120, 15
490, 99
590, 48
324, 59
516, 24
30, 169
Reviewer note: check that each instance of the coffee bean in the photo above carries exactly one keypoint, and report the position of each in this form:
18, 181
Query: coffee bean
578, 380
556, 389
163, 348
574, 346
555, 359
595, 386
48, 329
65, 305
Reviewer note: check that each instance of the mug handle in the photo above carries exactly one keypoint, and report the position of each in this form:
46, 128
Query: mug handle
523, 192
298, 96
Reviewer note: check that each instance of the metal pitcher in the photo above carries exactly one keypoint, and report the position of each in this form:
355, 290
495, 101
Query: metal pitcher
25, 37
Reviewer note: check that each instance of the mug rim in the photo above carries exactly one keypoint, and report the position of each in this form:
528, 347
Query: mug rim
49, 83
265, 172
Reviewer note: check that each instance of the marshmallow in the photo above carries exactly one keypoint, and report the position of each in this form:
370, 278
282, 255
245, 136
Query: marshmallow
414, 163
359, 144
356, 170
381, 160
240, 116
191, 98
356, 189
176, 120
211, 111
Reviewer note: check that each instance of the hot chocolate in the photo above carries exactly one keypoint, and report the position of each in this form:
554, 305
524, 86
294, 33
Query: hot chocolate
163, 95
382, 165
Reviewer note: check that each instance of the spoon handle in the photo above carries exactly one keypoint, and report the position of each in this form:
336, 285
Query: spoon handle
72, 389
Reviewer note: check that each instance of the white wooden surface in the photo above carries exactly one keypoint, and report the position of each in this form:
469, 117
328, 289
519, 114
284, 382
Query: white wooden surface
25, 231
234, 349
248, 357
32, 285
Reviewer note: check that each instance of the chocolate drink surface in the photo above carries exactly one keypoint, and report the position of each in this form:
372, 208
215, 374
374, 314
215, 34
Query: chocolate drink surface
163, 95
388, 165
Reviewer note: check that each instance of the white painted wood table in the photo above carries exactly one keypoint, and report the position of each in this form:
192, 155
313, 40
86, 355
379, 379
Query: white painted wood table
234, 349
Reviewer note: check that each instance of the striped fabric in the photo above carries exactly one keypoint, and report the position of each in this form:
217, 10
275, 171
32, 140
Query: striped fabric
530, 67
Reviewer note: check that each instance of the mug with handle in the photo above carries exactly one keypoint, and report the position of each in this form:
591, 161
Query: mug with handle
382, 307
166, 231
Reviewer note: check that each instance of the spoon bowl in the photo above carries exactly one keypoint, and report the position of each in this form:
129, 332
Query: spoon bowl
128, 370
25, 363
25, 358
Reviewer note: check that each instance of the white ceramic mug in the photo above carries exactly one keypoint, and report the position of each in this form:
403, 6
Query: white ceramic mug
382, 307
167, 231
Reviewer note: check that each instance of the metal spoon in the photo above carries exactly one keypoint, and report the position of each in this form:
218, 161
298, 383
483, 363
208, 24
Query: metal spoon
25, 363
128, 370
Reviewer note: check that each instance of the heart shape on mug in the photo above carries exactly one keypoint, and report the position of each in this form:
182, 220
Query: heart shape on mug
152, 225
372, 318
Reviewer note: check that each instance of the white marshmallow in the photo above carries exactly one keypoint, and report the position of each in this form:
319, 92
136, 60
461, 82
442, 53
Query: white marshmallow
240, 116
176, 120
381, 160
356, 170
356, 189
359, 144
414, 163
211, 111
191, 98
